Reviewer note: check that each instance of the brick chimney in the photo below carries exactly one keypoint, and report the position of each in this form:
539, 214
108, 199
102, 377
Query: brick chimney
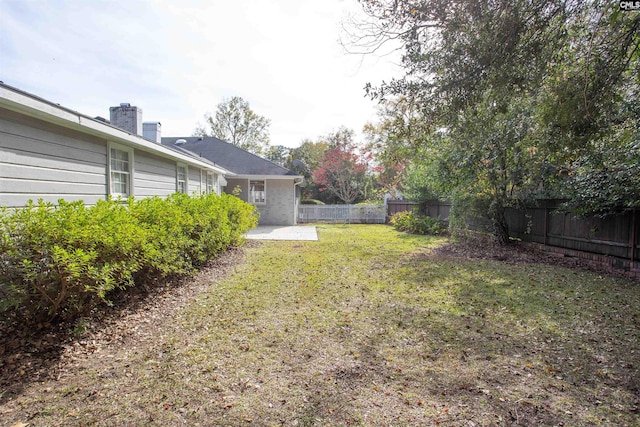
127, 118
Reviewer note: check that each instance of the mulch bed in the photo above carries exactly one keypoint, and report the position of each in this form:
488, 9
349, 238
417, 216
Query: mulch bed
28, 356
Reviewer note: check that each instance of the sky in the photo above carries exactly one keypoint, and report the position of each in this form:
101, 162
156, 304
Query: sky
177, 60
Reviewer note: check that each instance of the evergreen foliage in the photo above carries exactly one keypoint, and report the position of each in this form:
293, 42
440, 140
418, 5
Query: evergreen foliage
62, 261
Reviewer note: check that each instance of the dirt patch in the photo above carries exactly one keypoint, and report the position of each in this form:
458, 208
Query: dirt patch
480, 246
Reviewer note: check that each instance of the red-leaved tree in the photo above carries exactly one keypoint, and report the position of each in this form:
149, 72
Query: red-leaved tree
343, 172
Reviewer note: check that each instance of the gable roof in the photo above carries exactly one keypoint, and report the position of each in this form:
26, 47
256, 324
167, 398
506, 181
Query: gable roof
228, 156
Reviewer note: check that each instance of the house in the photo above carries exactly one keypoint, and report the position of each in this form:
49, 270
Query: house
274, 190
50, 152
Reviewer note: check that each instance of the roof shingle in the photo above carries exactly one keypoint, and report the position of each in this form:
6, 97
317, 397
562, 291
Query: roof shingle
228, 156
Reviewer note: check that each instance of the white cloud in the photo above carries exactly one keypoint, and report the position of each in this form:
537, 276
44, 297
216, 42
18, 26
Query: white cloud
178, 60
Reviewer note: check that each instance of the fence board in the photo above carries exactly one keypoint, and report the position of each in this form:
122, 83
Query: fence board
610, 236
438, 209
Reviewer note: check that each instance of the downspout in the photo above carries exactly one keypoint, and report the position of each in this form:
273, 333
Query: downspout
296, 181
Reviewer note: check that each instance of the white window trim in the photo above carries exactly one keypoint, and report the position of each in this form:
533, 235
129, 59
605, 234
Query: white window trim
129, 150
265, 192
214, 187
186, 177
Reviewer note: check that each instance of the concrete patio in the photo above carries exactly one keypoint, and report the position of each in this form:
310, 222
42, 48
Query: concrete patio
279, 232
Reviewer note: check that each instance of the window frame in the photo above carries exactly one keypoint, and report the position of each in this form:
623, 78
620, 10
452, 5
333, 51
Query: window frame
129, 173
252, 193
186, 177
211, 182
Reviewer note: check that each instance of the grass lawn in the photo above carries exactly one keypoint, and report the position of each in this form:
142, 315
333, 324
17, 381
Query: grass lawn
367, 327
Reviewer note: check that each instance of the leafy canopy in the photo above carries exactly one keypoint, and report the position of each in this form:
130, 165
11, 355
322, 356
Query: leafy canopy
343, 172
236, 123
512, 97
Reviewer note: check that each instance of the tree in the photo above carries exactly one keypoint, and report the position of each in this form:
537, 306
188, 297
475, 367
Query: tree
342, 171
606, 180
236, 123
303, 160
393, 140
278, 154
309, 152
509, 92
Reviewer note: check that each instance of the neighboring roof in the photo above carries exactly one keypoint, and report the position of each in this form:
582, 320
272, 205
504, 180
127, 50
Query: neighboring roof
31, 105
230, 157
195, 156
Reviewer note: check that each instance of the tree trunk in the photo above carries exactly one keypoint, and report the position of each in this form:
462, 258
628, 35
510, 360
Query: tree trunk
500, 226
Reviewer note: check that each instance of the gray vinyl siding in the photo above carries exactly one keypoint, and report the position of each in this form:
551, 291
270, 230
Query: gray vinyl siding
153, 175
39, 160
194, 181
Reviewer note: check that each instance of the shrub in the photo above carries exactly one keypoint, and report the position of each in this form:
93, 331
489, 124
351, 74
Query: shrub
242, 217
418, 224
61, 261
166, 224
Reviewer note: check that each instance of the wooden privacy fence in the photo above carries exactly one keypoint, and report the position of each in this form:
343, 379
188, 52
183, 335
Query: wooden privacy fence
395, 206
432, 208
350, 214
615, 235
612, 240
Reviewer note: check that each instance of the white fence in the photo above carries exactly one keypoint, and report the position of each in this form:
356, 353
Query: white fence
351, 214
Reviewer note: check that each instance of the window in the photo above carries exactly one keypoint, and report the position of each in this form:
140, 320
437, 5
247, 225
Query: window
211, 182
257, 193
181, 178
120, 162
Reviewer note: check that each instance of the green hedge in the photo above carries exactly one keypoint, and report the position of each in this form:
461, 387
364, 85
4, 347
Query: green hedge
418, 224
61, 261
